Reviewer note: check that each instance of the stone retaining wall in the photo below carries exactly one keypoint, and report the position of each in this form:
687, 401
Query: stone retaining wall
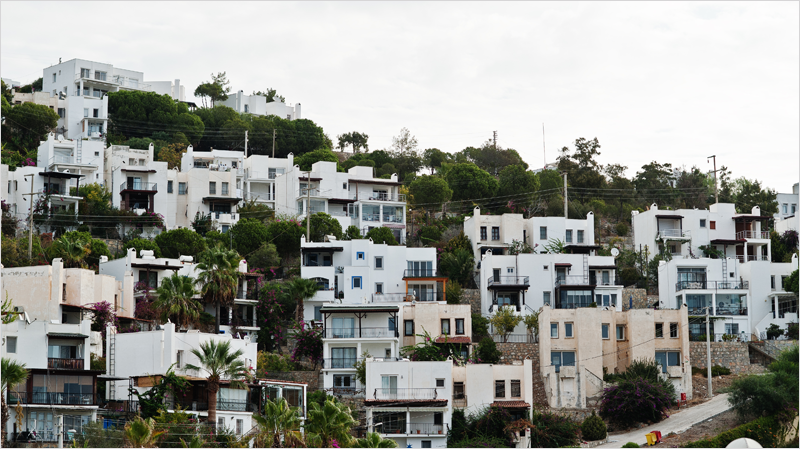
774, 347
309, 377
732, 355
471, 296
640, 298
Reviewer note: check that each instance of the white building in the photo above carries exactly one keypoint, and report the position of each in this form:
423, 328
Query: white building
787, 203
745, 298
137, 181
363, 272
174, 89
744, 237
526, 282
11, 83
409, 402
354, 198
260, 173
257, 105
498, 232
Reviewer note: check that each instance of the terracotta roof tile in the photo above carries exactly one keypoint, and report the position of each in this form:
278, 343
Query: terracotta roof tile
465, 340
511, 404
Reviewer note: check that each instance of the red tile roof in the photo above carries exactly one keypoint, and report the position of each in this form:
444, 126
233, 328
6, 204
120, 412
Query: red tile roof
440, 402
511, 404
465, 340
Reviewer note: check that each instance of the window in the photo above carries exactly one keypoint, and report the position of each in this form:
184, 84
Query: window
169, 186
783, 282
794, 208
446, 327
54, 77
712, 224
516, 391
426, 443
785, 205
239, 426
389, 384
546, 298
605, 331
317, 313
458, 390
408, 328
542, 232
99, 75
85, 73
356, 282
246, 108
391, 323
673, 330
96, 113
224, 188
483, 232
525, 235
62, 112
344, 381
85, 112
387, 353
568, 237
379, 287
659, 330
439, 383
379, 263
772, 282
668, 358
459, 326
359, 256
11, 345
180, 358
221, 422
580, 236
732, 328
702, 223
212, 188
568, 330
181, 188
620, 332
500, 388
495, 233
553, 330
559, 359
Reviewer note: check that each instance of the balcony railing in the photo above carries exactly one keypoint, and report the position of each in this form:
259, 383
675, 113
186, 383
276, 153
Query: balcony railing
508, 280
573, 304
572, 280
426, 429
718, 337
61, 159
711, 285
672, 233
392, 218
752, 257
611, 281
428, 296
731, 310
421, 273
55, 398
389, 297
340, 362
460, 400
142, 186
120, 406
516, 338
386, 197
238, 406
242, 294
371, 217
764, 235
364, 332
405, 393
76, 364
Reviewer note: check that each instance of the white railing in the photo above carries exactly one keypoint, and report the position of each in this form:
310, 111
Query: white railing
671, 233
60, 159
764, 235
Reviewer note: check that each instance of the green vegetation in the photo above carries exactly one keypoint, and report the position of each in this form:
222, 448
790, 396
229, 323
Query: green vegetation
593, 428
775, 392
768, 431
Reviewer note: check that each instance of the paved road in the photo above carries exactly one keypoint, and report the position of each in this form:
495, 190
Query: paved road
677, 422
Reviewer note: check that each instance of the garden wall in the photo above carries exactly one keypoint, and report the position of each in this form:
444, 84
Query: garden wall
640, 298
774, 347
733, 355
471, 296
309, 377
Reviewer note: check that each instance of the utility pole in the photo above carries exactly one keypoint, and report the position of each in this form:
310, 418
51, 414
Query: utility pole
566, 209
494, 137
708, 352
245, 143
60, 431
273, 143
30, 219
308, 206
544, 150
716, 192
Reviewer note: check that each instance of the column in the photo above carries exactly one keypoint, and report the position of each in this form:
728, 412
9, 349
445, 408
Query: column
370, 424
745, 251
408, 422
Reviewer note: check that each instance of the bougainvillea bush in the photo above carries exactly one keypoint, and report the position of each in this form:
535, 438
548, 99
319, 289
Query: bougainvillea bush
308, 343
635, 400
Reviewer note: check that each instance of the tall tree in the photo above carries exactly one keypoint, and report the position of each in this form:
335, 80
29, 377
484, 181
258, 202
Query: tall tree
25, 125
300, 290
72, 249
329, 422
750, 193
279, 426
433, 158
12, 374
220, 362
354, 139
581, 166
215, 90
430, 192
271, 94
218, 278
176, 300
404, 141
469, 182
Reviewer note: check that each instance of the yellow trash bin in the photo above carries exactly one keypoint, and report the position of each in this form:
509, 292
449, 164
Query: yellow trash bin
651, 439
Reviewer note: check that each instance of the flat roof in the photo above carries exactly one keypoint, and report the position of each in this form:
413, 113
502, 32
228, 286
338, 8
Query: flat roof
369, 308
220, 199
66, 335
155, 266
62, 175
669, 216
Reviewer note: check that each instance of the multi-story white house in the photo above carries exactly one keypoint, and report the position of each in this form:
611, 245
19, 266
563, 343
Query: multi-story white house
444, 323
354, 198
260, 173
787, 203
257, 105
363, 272
409, 402
134, 178
744, 237
563, 281
498, 232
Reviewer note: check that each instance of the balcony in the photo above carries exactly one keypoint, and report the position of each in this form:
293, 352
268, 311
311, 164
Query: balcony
718, 337
762, 235
236, 406
459, 400
76, 364
516, 338
572, 280
341, 362
508, 280
711, 285
62, 159
120, 406
752, 258
139, 186
428, 296
731, 310
249, 294
405, 393
386, 197
390, 297
672, 234
364, 332
392, 219
422, 273
610, 282
53, 398
425, 429
371, 217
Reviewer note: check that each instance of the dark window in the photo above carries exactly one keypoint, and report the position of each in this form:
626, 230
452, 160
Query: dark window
542, 232
181, 188
673, 330
439, 383
446, 327
356, 281
169, 186
580, 236
605, 331
318, 313
559, 359
391, 323
668, 358
569, 236
426, 443
500, 388
702, 223
459, 326
516, 391
483, 232
712, 224
458, 390
438, 418
409, 328
379, 263
495, 233
659, 330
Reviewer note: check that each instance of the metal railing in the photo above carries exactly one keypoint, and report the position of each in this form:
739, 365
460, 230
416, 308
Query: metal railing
573, 304
364, 332
612, 281
671, 233
752, 257
371, 217
53, 363
425, 428
711, 285
421, 273
60, 159
460, 400
58, 398
731, 311
764, 235
516, 338
386, 197
339, 213
718, 337
405, 393
428, 296
572, 280
341, 362
132, 185
120, 406
249, 294
392, 218
232, 405
508, 280
389, 297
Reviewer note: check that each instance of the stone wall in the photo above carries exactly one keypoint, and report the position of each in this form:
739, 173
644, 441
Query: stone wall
309, 377
732, 355
471, 296
774, 347
640, 298
520, 351
114, 246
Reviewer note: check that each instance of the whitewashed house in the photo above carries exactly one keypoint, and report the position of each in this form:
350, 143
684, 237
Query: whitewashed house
258, 105
260, 173
787, 203
137, 181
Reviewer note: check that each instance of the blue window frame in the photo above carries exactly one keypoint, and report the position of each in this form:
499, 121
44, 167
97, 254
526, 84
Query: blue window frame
356, 282
359, 255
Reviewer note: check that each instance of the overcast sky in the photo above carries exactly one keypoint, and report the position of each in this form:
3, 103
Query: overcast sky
672, 82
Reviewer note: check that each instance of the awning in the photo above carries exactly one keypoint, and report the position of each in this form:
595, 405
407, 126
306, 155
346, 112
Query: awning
511, 404
563, 265
728, 241
345, 309
138, 170
108, 377
376, 181
59, 174
394, 226
602, 267
65, 335
455, 340
221, 199
322, 249
312, 179
750, 217
340, 200
155, 266
670, 216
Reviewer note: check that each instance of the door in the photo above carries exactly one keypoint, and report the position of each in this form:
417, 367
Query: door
343, 327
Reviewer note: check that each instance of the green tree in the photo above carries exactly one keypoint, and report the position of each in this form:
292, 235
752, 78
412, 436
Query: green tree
300, 290
25, 125
470, 183
305, 161
253, 209
72, 249
218, 278
172, 154
279, 426
285, 235
323, 224
532, 323
265, 257
514, 179
215, 90
176, 300
142, 432
654, 183
750, 193
581, 166
374, 439
248, 234
34, 86
487, 351
271, 94
328, 422
136, 113
458, 265
12, 374
433, 158
430, 192
352, 233
220, 362
180, 242
381, 235
790, 284
142, 244
354, 139
772, 393
7, 93
504, 321
492, 158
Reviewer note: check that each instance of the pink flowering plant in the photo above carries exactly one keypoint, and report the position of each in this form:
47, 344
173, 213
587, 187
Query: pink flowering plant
308, 343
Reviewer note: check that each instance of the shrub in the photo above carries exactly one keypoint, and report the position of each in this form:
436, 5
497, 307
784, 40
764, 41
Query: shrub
429, 235
792, 331
621, 229
771, 393
593, 428
774, 331
552, 430
768, 431
453, 292
480, 327
630, 444
270, 362
487, 351
649, 370
717, 370
637, 400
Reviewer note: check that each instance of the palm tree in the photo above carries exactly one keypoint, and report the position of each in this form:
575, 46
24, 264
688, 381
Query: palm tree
176, 299
300, 289
12, 374
141, 432
220, 363
374, 439
72, 250
328, 422
219, 278
279, 426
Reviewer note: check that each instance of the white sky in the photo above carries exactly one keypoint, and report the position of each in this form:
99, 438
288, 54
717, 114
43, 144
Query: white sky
671, 82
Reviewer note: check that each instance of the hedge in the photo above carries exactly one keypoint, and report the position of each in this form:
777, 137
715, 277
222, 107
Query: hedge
767, 431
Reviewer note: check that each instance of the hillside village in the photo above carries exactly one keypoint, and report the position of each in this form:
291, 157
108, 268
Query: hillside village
227, 275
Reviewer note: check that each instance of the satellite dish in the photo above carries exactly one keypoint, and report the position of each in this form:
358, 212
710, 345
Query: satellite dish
614, 252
